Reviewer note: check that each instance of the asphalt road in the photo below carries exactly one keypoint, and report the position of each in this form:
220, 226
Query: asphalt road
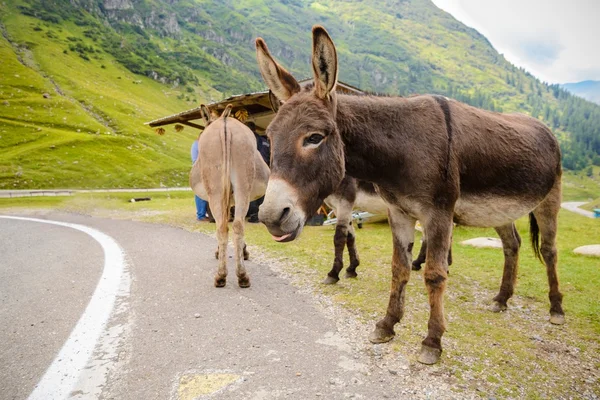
45, 285
171, 334
574, 207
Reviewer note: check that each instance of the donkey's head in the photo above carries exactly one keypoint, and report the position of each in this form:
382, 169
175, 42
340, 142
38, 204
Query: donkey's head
307, 151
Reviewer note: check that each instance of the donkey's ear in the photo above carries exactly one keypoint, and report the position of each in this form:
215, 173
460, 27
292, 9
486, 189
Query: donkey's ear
324, 62
275, 103
227, 111
205, 113
280, 82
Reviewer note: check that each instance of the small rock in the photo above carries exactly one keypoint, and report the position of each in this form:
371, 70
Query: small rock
298, 373
197, 315
589, 250
393, 372
46, 95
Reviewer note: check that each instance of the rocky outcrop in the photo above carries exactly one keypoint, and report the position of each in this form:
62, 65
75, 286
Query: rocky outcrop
211, 35
117, 5
165, 23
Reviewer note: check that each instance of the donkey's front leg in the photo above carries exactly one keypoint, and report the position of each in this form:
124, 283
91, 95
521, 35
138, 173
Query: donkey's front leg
403, 231
439, 231
339, 243
416, 264
352, 252
343, 212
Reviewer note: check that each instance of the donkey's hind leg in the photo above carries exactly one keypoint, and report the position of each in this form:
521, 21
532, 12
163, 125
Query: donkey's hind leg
511, 242
546, 217
222, 234
241, 208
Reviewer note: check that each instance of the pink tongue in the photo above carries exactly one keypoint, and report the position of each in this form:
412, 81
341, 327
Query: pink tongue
280, 238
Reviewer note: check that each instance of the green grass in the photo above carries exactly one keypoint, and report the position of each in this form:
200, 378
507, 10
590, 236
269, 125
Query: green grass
592, 205
515, 354
18, 203
580, 187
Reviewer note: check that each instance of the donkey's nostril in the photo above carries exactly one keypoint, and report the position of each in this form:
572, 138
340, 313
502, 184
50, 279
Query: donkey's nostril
284, 214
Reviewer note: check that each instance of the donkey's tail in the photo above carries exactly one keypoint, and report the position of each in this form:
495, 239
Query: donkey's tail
226, 168
534, 234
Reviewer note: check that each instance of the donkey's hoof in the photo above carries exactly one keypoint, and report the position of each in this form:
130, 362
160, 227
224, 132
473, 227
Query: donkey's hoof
351, 274
246, 255
416, 266
498, 307
217, 254
380, 335
244, 282
220, 282
557, 319
429, 355
330, 280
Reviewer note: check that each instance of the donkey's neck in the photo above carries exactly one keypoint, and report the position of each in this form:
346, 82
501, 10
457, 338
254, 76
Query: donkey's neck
373, 133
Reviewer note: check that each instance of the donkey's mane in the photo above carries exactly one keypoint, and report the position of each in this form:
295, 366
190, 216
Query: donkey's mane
309, 86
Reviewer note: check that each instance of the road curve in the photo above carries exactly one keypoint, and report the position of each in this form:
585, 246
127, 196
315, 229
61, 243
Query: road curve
181, 338
48, 274
574, 207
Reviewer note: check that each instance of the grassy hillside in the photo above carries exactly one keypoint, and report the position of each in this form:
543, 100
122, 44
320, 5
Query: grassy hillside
89, 130
109, 66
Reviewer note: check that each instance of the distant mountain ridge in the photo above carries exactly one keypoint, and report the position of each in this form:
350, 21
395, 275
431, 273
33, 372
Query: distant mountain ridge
589, 90
108, 66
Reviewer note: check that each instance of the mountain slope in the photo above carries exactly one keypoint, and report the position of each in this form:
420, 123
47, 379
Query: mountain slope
110, 65
589, 90
89, 130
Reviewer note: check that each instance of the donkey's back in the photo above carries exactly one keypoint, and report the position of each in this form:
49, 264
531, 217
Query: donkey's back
506, 164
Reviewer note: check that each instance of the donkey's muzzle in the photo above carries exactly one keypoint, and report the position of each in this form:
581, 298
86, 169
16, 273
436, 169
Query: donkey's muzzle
279, 212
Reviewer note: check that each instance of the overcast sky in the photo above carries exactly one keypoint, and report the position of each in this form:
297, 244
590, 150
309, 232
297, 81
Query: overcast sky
556, 40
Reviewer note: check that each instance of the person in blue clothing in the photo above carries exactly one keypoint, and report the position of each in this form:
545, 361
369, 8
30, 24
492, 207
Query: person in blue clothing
264, 148
201, 205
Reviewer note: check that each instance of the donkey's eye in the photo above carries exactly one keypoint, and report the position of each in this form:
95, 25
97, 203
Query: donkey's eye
315, 138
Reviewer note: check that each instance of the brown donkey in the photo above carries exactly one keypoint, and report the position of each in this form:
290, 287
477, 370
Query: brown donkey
229, 171
431, 158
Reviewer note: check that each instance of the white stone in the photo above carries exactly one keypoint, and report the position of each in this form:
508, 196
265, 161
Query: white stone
589, 250
483, 242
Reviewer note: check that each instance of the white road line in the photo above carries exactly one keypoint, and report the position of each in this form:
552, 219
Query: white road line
62, 375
